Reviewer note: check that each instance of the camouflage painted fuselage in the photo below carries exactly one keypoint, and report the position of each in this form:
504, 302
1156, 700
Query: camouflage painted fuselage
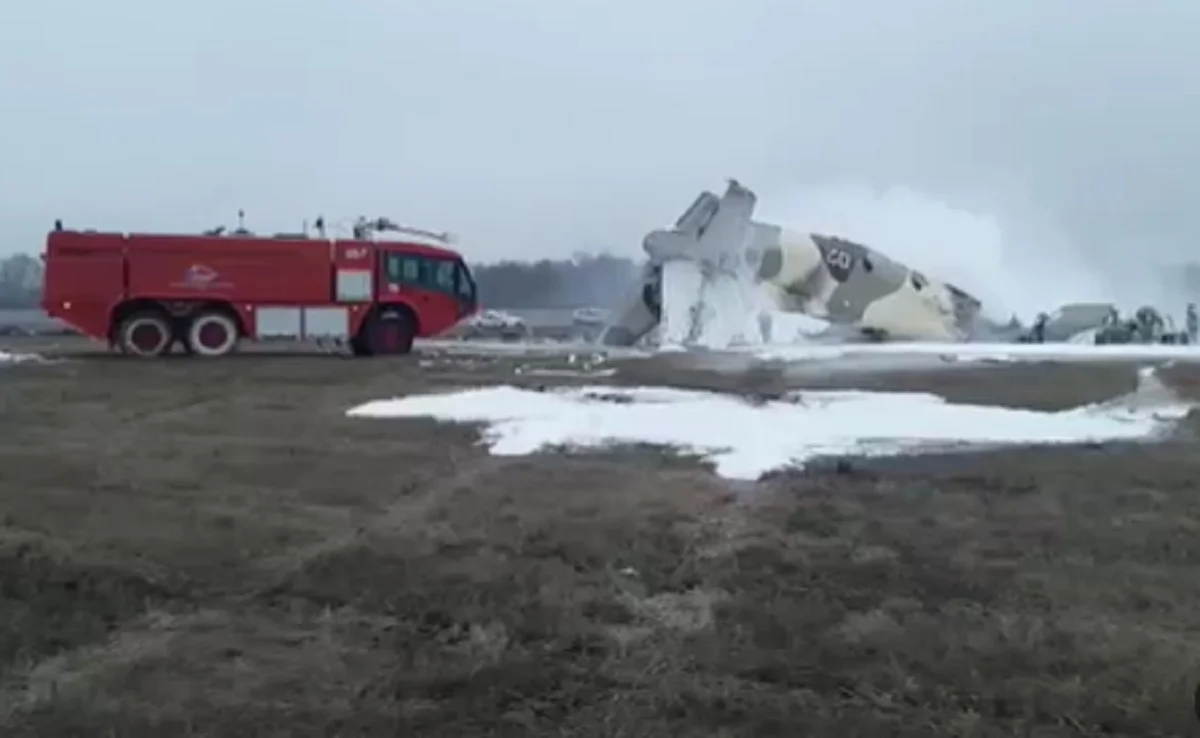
840, 281
848, 283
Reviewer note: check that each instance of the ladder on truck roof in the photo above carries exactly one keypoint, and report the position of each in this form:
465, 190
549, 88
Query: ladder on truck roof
364, 229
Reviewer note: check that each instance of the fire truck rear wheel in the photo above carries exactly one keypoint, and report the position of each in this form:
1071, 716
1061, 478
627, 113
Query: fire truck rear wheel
145, 334
212, 334
389, 332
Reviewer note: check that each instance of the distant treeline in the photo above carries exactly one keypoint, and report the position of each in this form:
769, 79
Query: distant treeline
584, 280
20, 282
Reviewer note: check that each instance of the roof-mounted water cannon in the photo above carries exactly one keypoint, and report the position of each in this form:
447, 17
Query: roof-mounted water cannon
223, 231
241, 229
365, 228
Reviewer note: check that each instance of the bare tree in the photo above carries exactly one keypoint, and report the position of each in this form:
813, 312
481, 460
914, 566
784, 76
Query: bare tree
586, 280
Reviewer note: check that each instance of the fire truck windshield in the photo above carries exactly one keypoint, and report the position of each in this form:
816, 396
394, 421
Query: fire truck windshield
463, 284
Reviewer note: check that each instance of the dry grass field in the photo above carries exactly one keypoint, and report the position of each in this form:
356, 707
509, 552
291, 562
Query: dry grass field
212, 549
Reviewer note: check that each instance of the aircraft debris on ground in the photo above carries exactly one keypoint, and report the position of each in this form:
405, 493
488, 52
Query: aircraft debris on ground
718, 278
733, 273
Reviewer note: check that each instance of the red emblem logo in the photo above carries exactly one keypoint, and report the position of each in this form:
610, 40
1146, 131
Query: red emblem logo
198, 275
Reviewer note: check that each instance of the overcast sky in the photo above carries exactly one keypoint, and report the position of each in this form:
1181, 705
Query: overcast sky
540, 127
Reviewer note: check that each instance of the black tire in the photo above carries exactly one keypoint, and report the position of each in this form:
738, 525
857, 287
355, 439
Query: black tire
387, 333
145, 334
225, 334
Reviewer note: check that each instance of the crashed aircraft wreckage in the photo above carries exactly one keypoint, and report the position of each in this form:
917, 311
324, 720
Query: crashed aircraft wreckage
716, 255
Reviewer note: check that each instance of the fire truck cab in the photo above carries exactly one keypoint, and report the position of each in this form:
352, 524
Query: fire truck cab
147, 293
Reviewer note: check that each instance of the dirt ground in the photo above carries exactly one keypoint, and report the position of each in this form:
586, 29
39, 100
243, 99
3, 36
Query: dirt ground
213, 549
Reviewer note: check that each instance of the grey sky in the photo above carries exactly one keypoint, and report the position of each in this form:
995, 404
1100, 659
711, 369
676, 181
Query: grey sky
539, 127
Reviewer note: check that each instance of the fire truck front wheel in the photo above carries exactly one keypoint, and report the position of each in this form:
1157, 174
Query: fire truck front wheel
213, 333
387, 332
145, 334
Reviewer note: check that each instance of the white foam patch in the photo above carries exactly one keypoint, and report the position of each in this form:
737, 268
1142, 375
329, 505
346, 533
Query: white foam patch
9, 358
745, 440
719, 310
522, 348
711, 311
997, 352
791, 328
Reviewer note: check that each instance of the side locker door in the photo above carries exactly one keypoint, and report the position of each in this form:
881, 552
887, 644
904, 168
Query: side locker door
354, 276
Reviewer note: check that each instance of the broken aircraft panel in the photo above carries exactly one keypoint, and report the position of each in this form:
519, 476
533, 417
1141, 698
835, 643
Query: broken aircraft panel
843, 282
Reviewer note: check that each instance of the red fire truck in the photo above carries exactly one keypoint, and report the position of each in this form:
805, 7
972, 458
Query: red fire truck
147, 293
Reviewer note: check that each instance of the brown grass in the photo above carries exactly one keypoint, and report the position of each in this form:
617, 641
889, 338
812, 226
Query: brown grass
211, 549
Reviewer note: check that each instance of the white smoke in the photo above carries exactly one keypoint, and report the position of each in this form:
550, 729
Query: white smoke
1013, 271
